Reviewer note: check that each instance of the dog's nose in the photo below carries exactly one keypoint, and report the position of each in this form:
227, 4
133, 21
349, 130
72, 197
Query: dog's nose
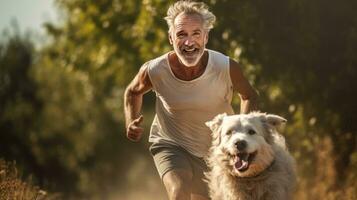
241, 145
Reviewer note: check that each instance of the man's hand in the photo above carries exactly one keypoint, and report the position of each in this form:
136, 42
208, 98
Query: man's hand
134, 131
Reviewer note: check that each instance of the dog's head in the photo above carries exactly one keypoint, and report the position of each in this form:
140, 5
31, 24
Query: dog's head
244, 141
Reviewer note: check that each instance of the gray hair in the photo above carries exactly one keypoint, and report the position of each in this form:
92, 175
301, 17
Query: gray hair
190, 7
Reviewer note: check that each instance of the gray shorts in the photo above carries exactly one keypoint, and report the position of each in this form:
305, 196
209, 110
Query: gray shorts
168, 157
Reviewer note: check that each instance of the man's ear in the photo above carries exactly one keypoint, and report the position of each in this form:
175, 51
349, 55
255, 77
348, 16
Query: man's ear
170, 38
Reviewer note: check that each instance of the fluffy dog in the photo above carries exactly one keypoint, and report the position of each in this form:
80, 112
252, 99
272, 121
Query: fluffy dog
248, 159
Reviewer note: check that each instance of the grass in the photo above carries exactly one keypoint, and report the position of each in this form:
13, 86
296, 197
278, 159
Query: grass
13, 188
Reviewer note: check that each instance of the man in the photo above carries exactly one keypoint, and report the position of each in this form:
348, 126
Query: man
192, 85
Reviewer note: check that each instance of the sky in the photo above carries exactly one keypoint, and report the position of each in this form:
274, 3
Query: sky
29, 14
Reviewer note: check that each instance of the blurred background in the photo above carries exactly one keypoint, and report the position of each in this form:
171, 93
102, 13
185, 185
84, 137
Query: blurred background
64, 65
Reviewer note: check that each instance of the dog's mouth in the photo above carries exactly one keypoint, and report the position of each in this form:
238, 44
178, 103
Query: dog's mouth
242, 160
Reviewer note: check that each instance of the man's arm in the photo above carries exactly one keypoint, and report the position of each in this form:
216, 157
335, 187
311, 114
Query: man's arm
133, 99
246, 92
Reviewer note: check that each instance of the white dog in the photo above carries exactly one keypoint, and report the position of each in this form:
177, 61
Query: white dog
248, 158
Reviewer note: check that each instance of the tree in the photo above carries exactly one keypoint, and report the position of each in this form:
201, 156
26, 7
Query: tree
18, 102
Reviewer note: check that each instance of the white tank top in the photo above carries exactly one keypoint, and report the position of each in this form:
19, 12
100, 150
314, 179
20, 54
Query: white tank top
183, 107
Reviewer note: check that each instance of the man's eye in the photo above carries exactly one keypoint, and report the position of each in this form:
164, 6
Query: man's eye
229, 132
181, 35
251, 132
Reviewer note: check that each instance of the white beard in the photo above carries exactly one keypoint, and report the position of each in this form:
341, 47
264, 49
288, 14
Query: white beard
188, 62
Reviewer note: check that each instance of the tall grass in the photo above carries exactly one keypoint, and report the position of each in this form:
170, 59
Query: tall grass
13, 188
319, 180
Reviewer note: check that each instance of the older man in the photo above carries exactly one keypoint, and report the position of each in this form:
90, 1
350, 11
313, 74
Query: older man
192, 85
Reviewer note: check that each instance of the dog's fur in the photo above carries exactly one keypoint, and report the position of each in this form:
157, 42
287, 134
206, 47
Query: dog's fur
267, 173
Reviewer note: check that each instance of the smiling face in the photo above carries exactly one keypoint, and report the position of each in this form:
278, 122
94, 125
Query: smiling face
245, 141
188, 38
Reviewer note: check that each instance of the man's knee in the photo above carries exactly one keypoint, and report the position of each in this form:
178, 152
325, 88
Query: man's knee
178, 184
179, 191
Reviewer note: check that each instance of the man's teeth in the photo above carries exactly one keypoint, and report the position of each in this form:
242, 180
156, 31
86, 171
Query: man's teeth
189, 50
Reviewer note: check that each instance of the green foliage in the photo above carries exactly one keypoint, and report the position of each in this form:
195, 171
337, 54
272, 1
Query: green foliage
18, 102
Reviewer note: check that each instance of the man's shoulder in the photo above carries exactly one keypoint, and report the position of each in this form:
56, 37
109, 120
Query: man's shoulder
158, 61
216, 53
218, 60
157, 66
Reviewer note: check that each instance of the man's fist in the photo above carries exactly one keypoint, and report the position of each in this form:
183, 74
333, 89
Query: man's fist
134, 131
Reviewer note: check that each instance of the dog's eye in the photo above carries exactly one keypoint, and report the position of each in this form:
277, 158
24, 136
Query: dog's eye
251, 132
229, 132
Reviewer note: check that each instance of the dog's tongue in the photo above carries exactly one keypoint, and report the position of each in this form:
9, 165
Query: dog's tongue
241, 162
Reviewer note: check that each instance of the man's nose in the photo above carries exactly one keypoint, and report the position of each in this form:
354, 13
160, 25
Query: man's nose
189, 41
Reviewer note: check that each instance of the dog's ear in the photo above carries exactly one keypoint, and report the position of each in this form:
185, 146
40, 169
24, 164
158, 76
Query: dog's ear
274, 120
215, 126
216, 122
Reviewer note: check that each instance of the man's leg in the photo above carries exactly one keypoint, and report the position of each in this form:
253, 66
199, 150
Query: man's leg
178, 184
175, 170
199, 187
